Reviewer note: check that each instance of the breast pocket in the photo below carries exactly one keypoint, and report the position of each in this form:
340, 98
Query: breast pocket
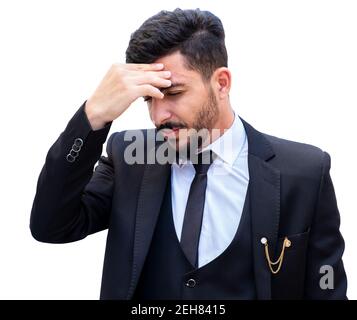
288, 283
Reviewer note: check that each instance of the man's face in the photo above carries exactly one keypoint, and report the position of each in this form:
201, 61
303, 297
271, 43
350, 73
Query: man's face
188, 106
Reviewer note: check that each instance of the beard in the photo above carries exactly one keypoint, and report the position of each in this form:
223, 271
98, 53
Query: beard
192, 138
208, 115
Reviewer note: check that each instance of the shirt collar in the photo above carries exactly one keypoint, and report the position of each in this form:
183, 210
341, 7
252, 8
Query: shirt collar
228, 146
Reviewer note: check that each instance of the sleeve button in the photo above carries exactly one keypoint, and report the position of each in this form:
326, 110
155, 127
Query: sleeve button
76, 148
73, 153
78, 142
70, 158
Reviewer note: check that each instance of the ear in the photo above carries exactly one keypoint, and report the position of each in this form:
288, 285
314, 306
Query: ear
222, 80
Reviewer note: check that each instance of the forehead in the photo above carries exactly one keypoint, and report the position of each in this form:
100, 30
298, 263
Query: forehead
175, 63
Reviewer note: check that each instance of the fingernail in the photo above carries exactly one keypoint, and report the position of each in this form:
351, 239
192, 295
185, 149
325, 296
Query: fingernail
159, 65
167, 73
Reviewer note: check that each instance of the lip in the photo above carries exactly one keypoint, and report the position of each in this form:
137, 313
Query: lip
170, 132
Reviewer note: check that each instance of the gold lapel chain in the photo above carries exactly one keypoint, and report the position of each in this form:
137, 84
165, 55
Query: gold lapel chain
279, 261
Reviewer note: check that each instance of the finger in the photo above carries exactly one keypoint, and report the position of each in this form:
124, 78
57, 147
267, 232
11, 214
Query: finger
149, 90
162, 74
152, 80
144, 66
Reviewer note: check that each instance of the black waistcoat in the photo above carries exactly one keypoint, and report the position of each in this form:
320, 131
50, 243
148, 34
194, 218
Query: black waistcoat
167, 274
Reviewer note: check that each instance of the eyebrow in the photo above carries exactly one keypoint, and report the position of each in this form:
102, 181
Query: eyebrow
173, 85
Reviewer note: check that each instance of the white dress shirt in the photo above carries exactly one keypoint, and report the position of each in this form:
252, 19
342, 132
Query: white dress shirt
227, 183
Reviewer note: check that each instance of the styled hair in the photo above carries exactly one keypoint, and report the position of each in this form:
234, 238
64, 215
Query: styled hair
197, 35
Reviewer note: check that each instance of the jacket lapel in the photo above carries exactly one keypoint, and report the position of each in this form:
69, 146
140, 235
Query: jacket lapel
264, 182
151, 194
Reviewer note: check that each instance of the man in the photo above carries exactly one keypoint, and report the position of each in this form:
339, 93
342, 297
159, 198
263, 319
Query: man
254, 219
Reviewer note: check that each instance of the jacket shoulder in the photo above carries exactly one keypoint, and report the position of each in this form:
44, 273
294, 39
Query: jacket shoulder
297, 157
293, 148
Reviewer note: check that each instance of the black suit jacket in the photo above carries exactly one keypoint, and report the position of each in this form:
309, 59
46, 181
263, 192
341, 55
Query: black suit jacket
291, 195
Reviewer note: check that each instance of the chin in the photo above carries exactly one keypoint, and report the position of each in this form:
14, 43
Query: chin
178, 145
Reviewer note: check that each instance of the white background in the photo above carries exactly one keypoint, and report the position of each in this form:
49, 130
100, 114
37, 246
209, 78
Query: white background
294, 75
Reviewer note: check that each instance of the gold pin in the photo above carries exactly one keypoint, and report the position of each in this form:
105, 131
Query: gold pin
279, 261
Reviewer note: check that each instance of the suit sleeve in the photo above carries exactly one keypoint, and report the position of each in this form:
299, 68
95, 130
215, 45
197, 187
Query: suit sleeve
72, 200
326, 245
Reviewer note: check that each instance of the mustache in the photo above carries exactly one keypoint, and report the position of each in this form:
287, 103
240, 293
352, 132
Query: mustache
171, 125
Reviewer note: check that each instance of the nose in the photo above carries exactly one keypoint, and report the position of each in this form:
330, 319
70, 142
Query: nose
159, 111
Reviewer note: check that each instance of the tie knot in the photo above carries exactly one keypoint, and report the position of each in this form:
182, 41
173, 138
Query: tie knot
204, 160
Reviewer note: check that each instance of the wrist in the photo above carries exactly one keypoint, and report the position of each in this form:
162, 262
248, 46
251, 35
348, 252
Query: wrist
96, 121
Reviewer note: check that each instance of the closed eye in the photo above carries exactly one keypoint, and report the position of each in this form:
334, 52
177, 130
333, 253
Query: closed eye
173, 93
148, 98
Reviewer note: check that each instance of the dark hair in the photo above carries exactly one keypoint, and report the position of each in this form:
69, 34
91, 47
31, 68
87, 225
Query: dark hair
198, 35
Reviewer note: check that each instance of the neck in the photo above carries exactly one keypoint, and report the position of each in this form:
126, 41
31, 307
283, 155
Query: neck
224, 122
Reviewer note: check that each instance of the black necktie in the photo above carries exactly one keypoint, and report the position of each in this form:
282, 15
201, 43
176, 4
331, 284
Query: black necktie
192, 222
